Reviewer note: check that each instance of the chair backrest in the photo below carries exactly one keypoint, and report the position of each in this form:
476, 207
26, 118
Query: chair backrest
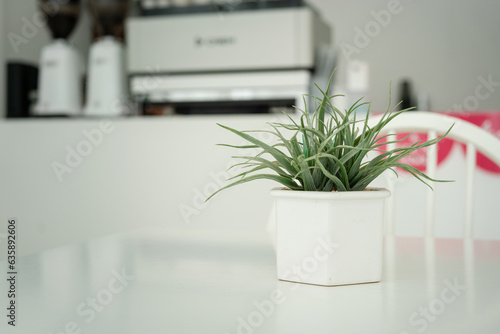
475, 139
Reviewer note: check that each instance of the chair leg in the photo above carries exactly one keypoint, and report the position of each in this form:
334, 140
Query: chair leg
431, 172
469, 190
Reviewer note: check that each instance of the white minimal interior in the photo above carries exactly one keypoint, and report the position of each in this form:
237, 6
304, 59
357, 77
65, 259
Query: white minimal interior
148, 171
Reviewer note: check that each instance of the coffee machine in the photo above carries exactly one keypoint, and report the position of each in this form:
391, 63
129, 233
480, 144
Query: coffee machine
107, 78
59, 83
258, 57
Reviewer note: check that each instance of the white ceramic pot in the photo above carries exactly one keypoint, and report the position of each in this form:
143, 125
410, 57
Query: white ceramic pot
329, 238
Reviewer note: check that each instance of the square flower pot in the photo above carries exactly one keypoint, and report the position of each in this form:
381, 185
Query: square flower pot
329, 238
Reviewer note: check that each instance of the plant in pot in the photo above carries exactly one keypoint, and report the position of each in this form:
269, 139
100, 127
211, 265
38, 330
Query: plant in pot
329, 223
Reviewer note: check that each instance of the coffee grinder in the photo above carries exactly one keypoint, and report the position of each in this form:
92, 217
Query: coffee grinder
107, 79
59, 83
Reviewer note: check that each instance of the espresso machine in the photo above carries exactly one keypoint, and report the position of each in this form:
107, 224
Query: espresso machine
250, 57
61, 67
107, 78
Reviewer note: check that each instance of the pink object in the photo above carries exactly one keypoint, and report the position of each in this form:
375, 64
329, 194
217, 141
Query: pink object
488, 120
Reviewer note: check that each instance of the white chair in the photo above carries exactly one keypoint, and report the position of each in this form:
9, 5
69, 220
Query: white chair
475, 138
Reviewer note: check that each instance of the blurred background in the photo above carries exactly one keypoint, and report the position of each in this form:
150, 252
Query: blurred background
163, 72
442, 49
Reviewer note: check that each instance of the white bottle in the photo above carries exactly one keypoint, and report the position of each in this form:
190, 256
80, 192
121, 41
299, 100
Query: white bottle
59, 82
107, 79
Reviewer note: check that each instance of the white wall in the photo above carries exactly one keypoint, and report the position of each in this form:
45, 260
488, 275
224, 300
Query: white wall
443, 46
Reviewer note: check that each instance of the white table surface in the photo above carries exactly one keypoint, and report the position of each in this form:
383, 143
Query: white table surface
187, 286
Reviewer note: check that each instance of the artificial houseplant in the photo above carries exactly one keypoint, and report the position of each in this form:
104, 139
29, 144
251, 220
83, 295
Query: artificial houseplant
329, 226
